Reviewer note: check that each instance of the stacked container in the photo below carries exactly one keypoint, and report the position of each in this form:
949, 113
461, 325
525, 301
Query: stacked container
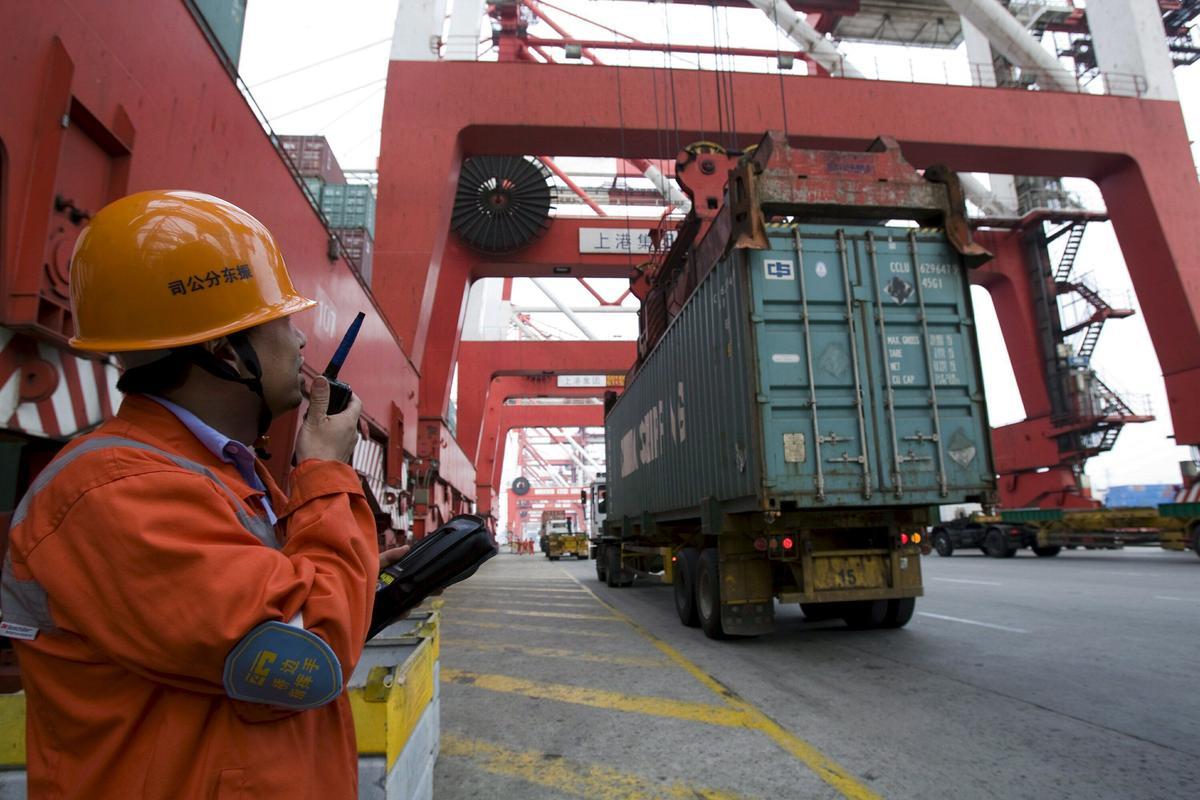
313, 157
349, 206
360, 248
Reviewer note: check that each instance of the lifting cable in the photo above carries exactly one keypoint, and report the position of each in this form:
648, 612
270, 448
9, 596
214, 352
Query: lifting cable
729, 88
717, 76
624, 158
779, 71
322, 61
277, 117
671, 76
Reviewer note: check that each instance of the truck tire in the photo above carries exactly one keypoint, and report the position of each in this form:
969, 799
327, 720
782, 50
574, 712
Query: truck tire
615, 573
708, 594
995, 546
601, 571
899, 612
1196, 539
942, 543
685, 586
818, 612
862, 615
1047, 552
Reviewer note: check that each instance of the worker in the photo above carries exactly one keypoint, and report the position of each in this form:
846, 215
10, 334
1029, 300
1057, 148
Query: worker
185, 629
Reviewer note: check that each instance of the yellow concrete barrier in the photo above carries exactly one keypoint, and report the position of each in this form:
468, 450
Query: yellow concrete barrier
394, 695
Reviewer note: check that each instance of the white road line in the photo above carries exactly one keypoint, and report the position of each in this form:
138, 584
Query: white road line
972, 622
964, 580
1180, 599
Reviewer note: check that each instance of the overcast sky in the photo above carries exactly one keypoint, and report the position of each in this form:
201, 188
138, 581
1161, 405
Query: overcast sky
285, 36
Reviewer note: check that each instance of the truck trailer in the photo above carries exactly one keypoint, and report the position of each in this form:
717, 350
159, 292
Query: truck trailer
809, 393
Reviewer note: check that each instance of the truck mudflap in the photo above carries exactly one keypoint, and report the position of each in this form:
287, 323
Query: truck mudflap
747, 597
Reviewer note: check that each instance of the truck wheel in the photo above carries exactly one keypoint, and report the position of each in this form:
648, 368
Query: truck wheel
582, 556
995, 546
1196, 539
708, 594
601, 572
817, 612
941, 543
616, 574
862, 615
899, 612
1047, 552
685, 586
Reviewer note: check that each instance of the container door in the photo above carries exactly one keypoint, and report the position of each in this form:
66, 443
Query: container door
930, 412
814, 380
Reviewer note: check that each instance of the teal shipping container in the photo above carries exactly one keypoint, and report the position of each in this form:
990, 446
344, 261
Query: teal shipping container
349, 205
839, 368
227, 19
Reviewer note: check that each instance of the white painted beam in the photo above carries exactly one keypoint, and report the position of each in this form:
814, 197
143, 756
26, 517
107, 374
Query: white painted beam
1131, 48
809, 38
1014, 42
418, 30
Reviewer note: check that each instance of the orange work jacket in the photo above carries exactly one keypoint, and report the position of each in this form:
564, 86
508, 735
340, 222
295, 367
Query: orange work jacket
149, 576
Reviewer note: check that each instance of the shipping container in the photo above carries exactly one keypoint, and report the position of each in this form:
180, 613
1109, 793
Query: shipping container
789, 435
313, 157
314, 185
837, 368
227, 20
360, 248
349, 206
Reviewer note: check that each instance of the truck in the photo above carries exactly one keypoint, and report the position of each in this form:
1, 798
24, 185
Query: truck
989, 533
561, 538
1170, 526
807, 391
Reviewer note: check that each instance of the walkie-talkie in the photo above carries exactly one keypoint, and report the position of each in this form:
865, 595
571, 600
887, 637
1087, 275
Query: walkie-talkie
340, 393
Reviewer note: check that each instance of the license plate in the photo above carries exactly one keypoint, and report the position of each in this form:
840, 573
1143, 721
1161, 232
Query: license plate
848, 572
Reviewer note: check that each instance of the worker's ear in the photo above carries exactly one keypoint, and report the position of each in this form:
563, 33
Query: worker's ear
222, 349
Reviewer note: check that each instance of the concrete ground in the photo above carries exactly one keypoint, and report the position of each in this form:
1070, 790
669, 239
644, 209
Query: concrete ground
1069, 677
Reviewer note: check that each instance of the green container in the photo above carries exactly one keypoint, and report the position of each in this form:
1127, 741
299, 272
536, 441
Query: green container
227, 19
1019, 515
839, 368
1184, 510
349, 205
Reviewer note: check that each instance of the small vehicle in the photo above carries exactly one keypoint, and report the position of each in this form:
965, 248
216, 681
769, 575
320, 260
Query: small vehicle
995, 538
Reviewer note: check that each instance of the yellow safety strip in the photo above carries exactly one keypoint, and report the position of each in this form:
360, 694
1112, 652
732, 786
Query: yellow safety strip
512, 626
553, 652
587, 603
509, 589
826, 768
573, 778
554, 614
601, 698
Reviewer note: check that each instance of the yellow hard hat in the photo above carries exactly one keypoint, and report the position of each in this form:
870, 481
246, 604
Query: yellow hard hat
164, 269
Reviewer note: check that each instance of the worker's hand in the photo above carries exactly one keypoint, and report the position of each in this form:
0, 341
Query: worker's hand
324, 437
392, 555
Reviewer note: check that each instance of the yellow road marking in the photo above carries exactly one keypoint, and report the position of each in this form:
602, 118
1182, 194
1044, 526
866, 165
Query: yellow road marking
552, 652
575, 778
513, 626
555, 614
826, 768
584, 604
601, 698
485, 589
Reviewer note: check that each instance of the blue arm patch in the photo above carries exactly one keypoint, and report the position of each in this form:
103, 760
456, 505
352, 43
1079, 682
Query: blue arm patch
282, 665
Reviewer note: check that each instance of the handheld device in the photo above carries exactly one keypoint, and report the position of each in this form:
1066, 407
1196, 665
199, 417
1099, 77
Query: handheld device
450, 554
339, 392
